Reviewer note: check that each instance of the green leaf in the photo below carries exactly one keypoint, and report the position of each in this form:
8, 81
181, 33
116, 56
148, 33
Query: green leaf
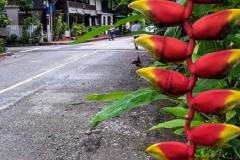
102, 29
174, 32
182, 2
233, 143
92, 34
175, 123
230, 115
129, 19
235, 40
208, 47
235, 71
179, 131
201, 10
106, 97
182, 112
122, 105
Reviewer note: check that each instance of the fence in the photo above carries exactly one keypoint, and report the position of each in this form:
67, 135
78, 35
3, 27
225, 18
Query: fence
18, 29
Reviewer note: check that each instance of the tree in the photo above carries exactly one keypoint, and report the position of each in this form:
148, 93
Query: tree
25, 5
3, 19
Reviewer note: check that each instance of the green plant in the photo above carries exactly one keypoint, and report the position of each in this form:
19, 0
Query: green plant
58, 25
12, 39
25, 5
37, 33
63, 27
4, 21
231, 149
27, 22
2, 46
74, 30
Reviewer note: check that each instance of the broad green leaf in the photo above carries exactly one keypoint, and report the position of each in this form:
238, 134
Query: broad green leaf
122, 105
200, 10
175, 123
159, 65
235, 40
235, 72
129, 19
179, 131
182, 2
123, 2
182, 112
92, 34
107, 97
233, 143
195, 57
174, 32
102, 29
207, 82
230, 115
209, 46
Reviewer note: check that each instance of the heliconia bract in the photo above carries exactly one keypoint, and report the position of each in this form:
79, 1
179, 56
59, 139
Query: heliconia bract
216, 25
169, 151
214, 135
207, 1
160, 12
164, 49
165, 81
224, 61
216, 101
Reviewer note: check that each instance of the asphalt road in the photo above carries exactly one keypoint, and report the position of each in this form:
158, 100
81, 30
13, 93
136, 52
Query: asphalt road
43, 114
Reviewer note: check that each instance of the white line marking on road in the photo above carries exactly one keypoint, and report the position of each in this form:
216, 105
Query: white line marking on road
41, 74
29, 50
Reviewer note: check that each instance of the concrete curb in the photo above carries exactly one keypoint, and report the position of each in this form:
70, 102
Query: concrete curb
70, 41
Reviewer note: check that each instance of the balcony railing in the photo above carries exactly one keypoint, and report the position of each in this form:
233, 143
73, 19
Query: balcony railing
81, 5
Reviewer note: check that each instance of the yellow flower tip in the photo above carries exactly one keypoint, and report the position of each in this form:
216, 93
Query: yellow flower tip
229, 132
142, 39
140, 5
156, 151
146, 72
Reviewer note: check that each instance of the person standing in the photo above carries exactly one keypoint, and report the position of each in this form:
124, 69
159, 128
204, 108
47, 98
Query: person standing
136, 27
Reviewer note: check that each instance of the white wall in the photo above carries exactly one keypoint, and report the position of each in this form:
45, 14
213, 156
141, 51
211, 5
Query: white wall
92, 2
98, 5
12, 13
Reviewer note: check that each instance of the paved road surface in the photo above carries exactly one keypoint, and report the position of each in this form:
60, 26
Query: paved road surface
43, 115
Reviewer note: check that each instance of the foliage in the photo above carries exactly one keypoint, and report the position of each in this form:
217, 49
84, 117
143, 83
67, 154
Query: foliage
27, 22
2, 46
37, 33
63, 27
79, 29
4, 21
13, 39
102, 29
231, 149
58, 25
126, 103
25, 5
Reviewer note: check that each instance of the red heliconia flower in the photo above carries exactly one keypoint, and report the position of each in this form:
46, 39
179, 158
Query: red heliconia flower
216, 65
169, 151
216, 101
164, 49
207, 1
216, 25
160, 12
214, 134
165, 81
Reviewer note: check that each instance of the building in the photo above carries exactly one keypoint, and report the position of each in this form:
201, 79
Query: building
89, 12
